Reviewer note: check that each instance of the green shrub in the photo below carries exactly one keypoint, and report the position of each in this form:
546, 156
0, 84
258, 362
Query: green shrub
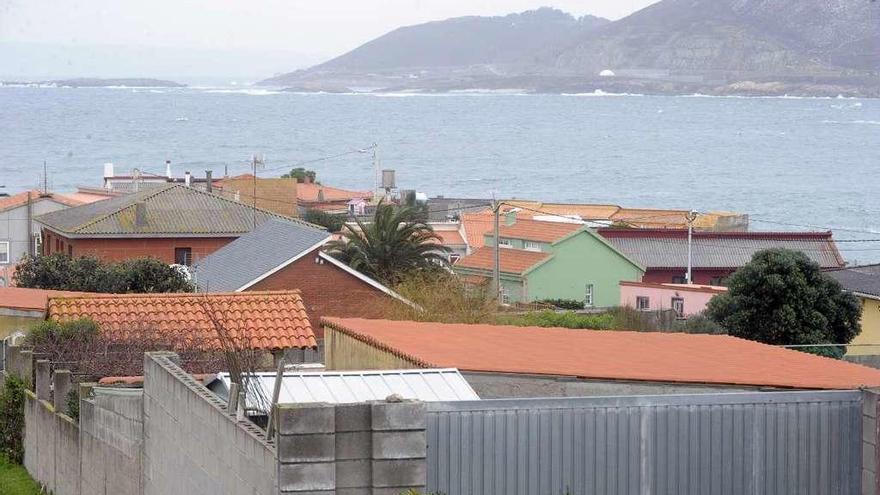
568, 319
698, 323
52, 333
72, 401
12, 419
331, 222
564, 303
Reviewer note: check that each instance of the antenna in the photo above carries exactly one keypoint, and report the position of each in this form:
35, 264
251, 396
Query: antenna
45, 178
258, 161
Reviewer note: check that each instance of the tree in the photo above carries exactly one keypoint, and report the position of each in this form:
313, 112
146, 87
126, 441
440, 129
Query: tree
88, 274
331, 222
782, 297
300, 174
396, 243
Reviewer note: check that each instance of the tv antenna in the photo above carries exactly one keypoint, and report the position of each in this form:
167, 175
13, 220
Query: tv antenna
258, 162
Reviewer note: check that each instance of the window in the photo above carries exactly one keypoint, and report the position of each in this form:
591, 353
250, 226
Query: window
183, 256
70, 250
679, 279
4, 252
588, 295
643, 303
505, 296
504, 243
454, 257
532, 246
678, 306
721, 281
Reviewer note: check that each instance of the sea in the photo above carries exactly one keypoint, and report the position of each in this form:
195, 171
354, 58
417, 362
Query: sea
790, 163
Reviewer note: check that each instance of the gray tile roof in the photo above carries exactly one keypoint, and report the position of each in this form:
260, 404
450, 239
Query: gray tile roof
714, 250
174, 210
252, 255
861, 279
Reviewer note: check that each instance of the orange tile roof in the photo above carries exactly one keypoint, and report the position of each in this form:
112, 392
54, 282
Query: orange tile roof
476, 225
277, 195
31, 299
309, 193
450, 237
610, 355
264, 320
515, 261
536, 230
20, 199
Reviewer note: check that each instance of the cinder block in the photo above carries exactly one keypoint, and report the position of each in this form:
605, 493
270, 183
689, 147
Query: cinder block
298, 419
399, 444
869, 483
356, 491
352, 417
869, 456
408, 415
354, 473
399, 473
307, 448
43, 379
306, 477
869, 429
354, 445
870, 397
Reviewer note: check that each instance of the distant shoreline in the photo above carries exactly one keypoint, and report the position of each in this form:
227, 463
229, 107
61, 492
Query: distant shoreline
97, 83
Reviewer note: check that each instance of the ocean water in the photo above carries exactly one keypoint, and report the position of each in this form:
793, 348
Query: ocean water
788, 162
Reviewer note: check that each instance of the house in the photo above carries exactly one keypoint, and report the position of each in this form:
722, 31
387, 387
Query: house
715, 255
19, 233
138, 180
172, 222
551, 260
22, 308
312, 196
864, 283
685, 299
505, 361
443, 209
451, 236
269, 321
283, 255
277, 195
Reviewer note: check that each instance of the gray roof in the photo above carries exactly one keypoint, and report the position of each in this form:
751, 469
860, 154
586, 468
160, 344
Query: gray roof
341, 387
722, 250
174, 209
254, 254
861, 279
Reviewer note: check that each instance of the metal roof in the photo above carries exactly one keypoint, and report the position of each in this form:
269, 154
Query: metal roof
277, 242
718, 251
174, 209
342, 387
862, 280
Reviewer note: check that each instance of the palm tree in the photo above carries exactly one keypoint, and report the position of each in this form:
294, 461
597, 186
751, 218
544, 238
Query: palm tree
397, 241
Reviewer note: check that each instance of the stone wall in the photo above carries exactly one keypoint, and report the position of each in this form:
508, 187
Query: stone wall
192, 445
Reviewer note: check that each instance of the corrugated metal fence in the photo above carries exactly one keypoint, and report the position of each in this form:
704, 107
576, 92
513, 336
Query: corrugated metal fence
756, 443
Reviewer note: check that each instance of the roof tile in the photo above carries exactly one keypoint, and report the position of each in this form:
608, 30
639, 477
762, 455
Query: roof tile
256, 320
613, 355
515, 261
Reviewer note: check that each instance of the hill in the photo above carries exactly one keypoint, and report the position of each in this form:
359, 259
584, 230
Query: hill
808, 47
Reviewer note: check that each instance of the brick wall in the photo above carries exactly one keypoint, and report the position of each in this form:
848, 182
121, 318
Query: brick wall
122, 249
327, 290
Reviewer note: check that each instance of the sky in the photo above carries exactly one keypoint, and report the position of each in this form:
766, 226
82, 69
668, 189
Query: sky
96, 37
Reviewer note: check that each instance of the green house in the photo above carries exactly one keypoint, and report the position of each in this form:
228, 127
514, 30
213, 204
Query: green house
552, 260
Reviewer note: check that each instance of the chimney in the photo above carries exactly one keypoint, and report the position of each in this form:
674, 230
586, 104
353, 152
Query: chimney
187, 178
168, 168
108, 171
510, 218
209, 185
321, 195
140, 214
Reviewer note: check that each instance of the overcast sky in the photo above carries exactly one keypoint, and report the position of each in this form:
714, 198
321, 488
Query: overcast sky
312, 29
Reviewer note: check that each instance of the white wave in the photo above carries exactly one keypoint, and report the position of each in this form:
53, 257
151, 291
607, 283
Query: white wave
252, 92
181, 119
599, 92
856, 122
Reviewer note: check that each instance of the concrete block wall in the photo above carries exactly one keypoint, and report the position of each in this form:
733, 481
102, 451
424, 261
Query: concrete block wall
111, 442
351, 449
51, 447
192, 445
871, 442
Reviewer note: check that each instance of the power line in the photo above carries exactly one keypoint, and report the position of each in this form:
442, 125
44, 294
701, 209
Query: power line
322, 159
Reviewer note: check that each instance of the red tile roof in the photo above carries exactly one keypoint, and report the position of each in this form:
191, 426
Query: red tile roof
537, 230
31, 299
21, 198
609, 355
476, 225
515, 261
450, 237
308, 193
265, 320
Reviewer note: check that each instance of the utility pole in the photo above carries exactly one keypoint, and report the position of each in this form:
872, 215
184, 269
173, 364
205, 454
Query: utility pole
692, 215
376, 179
256, 161
496, 265
45, 178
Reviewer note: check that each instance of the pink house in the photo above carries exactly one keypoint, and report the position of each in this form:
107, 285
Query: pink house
685, 299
